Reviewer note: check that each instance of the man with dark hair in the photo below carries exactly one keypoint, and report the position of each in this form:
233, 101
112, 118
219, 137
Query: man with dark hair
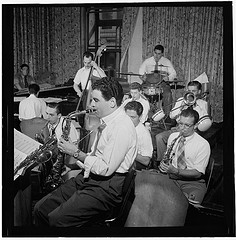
32, 106
200, 106
152, 70
97, 190
56, 122
23, 79
134, 110
82, 76
136, 95
189, 157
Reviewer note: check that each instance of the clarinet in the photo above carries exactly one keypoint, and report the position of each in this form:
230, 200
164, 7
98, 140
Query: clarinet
167, 158
54, 180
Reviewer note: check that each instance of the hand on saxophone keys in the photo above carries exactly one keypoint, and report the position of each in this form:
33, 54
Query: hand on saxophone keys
67, 147
168, 168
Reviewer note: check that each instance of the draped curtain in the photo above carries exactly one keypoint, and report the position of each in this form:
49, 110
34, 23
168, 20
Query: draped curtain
48, 39
193, 41
128, 24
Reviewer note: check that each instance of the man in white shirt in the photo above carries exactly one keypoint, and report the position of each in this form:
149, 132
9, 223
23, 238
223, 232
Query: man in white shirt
136, 95
153, 68
190, 169
82, 76
96, 191
200, 106
32, 106
56, 122
134, 110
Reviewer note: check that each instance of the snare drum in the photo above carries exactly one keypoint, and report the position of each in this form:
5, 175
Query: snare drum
151, 89
204, 123
158, 115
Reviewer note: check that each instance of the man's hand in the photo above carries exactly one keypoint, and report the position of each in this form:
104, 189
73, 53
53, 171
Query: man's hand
67, 147
79, 94
94, 65
168, 168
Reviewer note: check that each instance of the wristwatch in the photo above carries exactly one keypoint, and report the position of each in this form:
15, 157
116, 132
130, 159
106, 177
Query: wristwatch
76, 154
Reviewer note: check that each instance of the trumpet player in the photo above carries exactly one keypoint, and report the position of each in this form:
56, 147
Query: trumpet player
190, 159
191, 101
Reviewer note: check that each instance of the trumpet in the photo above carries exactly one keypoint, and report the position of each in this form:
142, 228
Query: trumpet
189, 98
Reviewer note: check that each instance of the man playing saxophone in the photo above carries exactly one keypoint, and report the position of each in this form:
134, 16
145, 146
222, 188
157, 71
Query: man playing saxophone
61, 127
189, 157
199, 105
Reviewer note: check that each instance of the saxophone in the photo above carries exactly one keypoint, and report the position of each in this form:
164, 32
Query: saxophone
167, 158
40, 155
54, 179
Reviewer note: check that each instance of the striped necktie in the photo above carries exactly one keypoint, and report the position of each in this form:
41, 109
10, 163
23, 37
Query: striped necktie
99, 133
180, 154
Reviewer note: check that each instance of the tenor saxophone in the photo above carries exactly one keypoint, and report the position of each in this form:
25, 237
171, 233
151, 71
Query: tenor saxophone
54, 179
167, 157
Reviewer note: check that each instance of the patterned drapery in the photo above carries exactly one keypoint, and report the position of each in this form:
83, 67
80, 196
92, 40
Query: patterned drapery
49, 40
193, 41
128, 24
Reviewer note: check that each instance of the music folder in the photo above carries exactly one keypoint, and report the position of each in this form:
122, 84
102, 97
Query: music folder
23, 147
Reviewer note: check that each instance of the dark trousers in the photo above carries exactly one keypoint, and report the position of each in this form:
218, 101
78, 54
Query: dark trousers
166, 98
80, 202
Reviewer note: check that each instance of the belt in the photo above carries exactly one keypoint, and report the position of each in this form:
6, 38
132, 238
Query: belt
104, 178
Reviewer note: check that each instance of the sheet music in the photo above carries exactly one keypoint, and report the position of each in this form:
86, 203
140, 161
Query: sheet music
23, 146
18, 158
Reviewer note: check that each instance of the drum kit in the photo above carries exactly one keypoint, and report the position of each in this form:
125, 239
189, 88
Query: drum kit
153, 91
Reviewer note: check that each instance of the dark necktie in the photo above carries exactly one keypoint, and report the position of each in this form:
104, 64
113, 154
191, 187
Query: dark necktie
99, 133
180, 154
25, 80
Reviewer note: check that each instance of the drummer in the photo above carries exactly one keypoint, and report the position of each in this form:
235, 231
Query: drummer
159, 65
136, 95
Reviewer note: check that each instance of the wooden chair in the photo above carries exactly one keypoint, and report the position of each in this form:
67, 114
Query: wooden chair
119, 215
208, 177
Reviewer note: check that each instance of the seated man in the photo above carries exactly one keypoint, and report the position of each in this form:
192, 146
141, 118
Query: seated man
94, 193
134, 110
22, 79
61, 128
136, 94
159, 64
188, 157
32, 106
200, 106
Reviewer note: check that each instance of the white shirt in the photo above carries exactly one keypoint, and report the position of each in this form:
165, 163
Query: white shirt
148, 66
31, 107
73, 135
145, 104
82, 76
197, 151
201, 107
145, 147
117, 146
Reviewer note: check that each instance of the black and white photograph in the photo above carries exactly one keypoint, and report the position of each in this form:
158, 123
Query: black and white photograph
76, 76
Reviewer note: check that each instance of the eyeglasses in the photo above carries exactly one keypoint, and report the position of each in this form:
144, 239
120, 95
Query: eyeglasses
185, 125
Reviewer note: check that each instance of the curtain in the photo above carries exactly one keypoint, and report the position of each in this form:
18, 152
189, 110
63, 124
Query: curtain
193, 41
128, 24
48, 39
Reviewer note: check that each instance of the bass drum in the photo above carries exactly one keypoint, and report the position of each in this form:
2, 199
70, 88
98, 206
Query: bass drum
158, 115
158, 202
204, 123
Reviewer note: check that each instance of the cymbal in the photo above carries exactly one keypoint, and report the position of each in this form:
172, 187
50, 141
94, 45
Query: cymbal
131, 74
175, 81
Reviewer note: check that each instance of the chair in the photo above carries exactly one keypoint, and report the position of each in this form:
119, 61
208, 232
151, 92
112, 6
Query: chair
118, 217
208, 176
